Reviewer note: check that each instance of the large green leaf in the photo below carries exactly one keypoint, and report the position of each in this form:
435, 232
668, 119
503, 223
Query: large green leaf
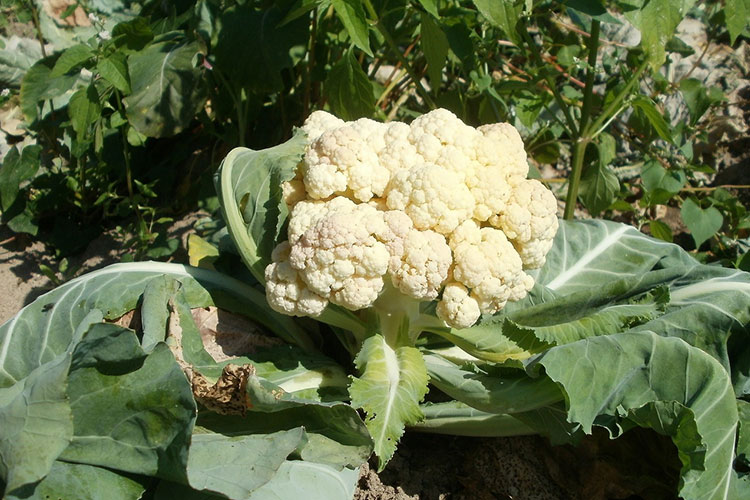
56, 321
131, 412
238, 465
36, 423
249, 187
166, 86
84, 482
391, 385
39, 85
17, 168
662, 383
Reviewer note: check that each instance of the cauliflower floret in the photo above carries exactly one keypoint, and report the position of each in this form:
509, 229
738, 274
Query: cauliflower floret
486, 262
319, 122
339, 257
419, 261
456, 307
432, 196
285, 291
501, 146
345, 161
431, 132
306, 214
529, 221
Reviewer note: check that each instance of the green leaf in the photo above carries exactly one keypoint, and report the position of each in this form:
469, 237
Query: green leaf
16, 169
238, 465
737, 16
71, 58
249, 187
389, 389
352, 16
661, 184
39, 85
431, 6
599, 184
702, 223
130, 413
311, 481
696, 98
62, 316
502, 13
654, 117
267, 48
132, 35
167, 89
743, 436
657, 21
114, 69
657, 382
458, 419
85, 482
348, 89
660, 230
435, 48
491, 390
37, 426
84, 109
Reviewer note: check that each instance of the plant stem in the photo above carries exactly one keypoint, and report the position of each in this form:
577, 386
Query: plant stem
37, 25
394, 47
588, 91
579, 151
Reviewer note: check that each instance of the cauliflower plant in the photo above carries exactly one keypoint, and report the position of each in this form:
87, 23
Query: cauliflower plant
389, 214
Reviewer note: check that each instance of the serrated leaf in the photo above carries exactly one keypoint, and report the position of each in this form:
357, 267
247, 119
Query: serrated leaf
702, 223
654, 117
348, 89
502, 13
435, 48
352, 16
114, 69
389, 389
84, 109
657, 21
737, 16
70, 58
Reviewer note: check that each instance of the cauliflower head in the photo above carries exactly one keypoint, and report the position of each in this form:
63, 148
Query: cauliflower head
438, 209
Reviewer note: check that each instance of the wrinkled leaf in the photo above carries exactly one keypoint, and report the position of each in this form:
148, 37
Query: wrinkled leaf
392, 384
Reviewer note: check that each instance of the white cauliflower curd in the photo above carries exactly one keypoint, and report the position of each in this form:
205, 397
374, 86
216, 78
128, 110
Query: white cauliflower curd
435, 210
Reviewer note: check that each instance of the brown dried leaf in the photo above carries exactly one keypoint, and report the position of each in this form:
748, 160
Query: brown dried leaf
228, 395
131, 319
